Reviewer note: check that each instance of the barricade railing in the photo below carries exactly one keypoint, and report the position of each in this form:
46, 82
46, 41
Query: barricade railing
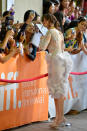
38, 77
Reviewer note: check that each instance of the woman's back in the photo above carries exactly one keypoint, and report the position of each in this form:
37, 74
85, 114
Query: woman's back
56, 41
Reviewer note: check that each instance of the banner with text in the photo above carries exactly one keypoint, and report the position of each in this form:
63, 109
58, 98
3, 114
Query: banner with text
22, 103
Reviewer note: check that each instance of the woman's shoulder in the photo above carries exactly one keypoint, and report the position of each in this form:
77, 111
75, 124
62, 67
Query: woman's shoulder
54, 30
56, 34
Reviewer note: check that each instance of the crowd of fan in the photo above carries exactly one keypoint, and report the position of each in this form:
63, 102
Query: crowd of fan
72, 22
18, 38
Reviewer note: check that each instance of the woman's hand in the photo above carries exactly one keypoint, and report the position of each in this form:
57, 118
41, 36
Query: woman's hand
9, 34
22, 37
17, 26
84, 48
12, 42
14, 50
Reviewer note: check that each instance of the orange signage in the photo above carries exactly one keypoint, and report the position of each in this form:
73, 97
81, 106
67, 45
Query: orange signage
22, 103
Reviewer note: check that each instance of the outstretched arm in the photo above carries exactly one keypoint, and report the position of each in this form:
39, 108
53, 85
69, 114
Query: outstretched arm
4, 59
44, 42
73, 51
84, 48
9, 34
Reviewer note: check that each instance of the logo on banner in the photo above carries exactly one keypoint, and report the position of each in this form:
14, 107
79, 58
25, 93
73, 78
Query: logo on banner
8, 88
30, 93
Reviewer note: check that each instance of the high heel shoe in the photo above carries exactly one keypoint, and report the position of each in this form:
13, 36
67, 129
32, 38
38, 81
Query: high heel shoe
63, 122
56, 124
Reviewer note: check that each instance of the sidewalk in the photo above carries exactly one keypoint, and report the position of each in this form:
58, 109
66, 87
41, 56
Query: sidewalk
79, 123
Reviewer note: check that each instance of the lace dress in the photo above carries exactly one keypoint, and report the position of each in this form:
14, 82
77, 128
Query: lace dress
59, 62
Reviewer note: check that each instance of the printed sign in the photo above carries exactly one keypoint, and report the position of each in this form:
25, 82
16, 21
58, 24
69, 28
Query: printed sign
22, 103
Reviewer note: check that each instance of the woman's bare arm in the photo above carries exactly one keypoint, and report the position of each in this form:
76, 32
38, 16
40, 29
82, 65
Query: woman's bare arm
84, 48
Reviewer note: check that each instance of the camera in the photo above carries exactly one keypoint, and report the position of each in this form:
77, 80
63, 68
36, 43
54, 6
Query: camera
22, 31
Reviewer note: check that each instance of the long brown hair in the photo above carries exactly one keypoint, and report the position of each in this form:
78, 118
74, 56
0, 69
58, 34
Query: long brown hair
52, 20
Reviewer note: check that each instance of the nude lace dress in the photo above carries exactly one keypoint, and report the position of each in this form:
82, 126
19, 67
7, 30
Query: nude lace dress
59, 62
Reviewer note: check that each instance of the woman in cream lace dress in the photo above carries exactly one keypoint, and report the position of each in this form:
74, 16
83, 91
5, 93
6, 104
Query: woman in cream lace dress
59, 65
